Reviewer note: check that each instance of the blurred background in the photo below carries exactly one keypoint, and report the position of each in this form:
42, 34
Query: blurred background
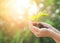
50, 7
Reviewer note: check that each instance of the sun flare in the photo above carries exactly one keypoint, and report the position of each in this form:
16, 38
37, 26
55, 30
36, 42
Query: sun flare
16, 13
18, 9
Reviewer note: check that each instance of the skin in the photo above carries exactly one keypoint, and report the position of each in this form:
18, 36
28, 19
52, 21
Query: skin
41, 29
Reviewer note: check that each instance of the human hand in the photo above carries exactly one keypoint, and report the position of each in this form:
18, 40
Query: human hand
41, 29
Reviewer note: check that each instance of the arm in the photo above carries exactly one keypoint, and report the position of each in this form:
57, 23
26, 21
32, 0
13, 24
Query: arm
56, 37
45, 29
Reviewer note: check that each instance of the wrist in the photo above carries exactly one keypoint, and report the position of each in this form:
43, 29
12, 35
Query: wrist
56, 37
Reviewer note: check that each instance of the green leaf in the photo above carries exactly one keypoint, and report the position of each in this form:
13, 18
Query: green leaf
37, 16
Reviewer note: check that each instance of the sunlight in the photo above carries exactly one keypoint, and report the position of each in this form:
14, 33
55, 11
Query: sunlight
19, 8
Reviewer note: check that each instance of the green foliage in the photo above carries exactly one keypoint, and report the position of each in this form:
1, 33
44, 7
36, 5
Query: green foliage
28, 37
48, 2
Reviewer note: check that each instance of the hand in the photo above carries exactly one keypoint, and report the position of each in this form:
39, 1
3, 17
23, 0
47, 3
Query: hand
42, 29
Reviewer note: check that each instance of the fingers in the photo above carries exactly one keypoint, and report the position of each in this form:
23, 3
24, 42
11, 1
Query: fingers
41, 32
33, 28
45, 25
41, 25
50, 27
37, 24
38, 32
